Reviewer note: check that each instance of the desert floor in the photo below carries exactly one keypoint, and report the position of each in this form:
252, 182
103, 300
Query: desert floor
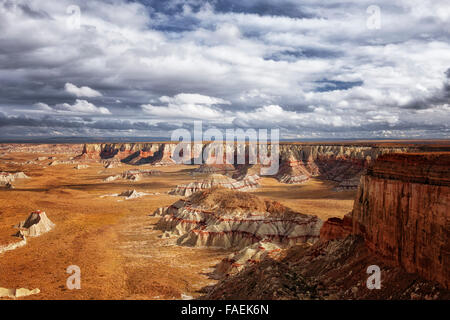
112, 240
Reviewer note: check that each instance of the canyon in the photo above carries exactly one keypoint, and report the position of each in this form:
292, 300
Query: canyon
339, 162
223, 231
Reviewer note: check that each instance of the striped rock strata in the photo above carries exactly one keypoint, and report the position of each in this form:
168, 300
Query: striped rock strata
231, 219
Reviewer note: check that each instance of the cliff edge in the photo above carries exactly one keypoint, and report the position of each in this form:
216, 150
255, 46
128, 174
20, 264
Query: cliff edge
402, 210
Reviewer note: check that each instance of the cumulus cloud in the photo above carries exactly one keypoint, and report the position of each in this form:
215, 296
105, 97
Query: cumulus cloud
81, 91
79, 107
187, 106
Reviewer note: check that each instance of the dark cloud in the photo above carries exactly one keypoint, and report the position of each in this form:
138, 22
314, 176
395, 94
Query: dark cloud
441, 97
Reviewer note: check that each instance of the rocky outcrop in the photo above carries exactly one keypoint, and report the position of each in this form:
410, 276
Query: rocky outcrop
293, 172
132, 194
246, 257
402, 210
6, 178
35, 225
336, 228
133, 175
327, 270
17, 293
231, 219
217, 180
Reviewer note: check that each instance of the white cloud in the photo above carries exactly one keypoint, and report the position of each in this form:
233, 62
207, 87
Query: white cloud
187, 106
81, 91
82, 107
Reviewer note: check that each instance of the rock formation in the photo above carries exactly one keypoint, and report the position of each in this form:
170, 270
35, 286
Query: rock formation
400, 223
402, 210
225, 218
60, 162
342, 163
133, 175
293, 172
7, 178
327, 270
132, 194
247, 256
17, 293
157, 154
36, 224
216, 180
336, 228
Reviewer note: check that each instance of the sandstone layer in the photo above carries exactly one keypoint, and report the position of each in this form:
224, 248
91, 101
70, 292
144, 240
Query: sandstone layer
402, 210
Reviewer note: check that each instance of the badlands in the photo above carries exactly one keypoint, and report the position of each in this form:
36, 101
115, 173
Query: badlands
223, 231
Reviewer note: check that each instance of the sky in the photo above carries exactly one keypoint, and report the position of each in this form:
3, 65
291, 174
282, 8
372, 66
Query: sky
312, 69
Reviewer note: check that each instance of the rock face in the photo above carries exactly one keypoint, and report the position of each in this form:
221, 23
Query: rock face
336, 228
231, 219
400, 222
133, 153
217, 180
402, 210
36, 224
326, 270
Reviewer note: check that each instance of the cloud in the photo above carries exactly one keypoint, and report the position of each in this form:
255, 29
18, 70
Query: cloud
80, 107
187, 106
82, 91
229, 63
43, 106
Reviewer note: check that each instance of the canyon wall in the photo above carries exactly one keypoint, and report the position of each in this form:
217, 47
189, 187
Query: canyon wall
339, 162
402, 210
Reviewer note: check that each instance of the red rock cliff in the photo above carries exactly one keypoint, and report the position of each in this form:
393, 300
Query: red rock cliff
402, 209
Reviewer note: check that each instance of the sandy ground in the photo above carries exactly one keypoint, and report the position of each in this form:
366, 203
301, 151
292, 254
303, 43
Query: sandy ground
113, 242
